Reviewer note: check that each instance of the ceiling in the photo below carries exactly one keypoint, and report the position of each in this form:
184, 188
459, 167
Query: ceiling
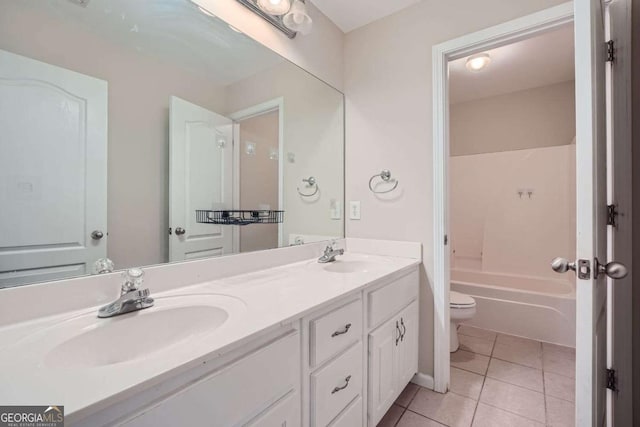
351, 14
173, 31
534, 62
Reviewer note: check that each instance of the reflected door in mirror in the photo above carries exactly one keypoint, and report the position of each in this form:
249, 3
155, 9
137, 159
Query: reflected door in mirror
53, 171
201, 177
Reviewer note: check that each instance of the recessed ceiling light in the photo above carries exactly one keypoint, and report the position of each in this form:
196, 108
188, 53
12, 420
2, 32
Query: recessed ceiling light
275, 7
478, 62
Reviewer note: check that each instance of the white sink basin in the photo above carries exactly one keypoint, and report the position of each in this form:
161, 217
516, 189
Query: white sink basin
87, 341
340, 266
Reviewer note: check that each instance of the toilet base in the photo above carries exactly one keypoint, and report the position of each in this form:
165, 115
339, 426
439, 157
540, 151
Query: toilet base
454, 344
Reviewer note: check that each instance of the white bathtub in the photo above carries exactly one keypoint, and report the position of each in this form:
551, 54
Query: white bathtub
538, 308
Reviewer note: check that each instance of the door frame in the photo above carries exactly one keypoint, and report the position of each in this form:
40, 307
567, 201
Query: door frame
276, 104
489, 38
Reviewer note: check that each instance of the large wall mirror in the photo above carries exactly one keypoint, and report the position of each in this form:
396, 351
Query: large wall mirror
151, 131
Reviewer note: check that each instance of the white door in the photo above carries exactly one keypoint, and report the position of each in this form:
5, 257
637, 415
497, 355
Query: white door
53, 171
200, 177
383, 369
591, 292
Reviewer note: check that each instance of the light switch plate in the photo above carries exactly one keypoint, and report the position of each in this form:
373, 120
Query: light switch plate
335, 209
354, 209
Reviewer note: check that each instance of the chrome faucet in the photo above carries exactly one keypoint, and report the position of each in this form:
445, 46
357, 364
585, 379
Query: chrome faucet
132, 298
330, 254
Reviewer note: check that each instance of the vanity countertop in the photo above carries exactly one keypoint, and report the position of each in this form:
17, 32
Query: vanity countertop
258, 301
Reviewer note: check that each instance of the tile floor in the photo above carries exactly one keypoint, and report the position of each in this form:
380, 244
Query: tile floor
496, 380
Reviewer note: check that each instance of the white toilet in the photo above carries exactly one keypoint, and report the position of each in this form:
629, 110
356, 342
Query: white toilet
461, 307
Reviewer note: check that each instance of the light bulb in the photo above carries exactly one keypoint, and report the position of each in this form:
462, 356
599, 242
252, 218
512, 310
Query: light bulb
298, 19
275, 7
478, 62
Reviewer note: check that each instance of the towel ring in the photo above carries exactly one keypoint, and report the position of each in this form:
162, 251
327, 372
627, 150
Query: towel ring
386, 177
311, 182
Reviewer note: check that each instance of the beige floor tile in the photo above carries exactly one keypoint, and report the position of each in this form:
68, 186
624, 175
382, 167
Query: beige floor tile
411, 419
391, 417
560, 386
511, 398
470, 361
449, 409
559, 365
475, 345
489, 416
518, 341
520, 354
472, 331
560, 413
466, 383
407, 395
559, 350
512, 373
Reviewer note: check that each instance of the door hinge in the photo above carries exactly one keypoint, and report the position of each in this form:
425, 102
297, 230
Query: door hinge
612, 380
612, 215
446, 240
611, 51
170, 231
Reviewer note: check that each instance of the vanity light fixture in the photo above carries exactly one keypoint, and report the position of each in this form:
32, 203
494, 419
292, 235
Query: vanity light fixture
478, 62
288, 16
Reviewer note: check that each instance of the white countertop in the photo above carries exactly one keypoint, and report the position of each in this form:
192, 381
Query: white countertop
265, 299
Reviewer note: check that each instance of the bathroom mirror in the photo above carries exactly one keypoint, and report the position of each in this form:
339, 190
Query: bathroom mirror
120, 120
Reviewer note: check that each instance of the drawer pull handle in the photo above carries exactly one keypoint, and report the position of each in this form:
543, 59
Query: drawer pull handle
404, 329
399, 333
346, 383
346, 329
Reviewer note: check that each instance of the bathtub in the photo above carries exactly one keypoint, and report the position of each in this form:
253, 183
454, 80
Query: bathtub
538, 308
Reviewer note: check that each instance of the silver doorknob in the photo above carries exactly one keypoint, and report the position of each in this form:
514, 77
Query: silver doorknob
614, 270
562, 265
97, 235
180, 231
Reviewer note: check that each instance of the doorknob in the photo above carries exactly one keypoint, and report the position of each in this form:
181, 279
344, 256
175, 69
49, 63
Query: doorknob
562, 265
97, 235
614, 270
180, 231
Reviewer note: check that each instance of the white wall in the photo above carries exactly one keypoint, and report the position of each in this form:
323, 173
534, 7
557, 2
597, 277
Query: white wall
320, 52
495, 230
540, 117
388, 121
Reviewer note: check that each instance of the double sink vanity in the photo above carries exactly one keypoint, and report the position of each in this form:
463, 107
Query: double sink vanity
287, 341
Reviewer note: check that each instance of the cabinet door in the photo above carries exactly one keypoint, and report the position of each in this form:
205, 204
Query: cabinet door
383, 369
408, 347
283, 413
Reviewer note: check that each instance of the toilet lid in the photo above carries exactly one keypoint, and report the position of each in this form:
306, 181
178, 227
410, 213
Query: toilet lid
456, 299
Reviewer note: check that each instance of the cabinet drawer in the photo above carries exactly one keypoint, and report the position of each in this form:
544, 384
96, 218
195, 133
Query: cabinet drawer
285, 412
334, 332
388, 300
234, 394
350, 417
335, 386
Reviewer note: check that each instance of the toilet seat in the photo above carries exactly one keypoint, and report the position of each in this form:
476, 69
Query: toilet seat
458, 300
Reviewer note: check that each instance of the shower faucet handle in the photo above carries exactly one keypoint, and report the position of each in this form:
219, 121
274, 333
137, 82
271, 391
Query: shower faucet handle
562, 265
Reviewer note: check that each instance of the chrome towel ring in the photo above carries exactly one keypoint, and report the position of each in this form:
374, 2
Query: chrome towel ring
311, 182
386, 177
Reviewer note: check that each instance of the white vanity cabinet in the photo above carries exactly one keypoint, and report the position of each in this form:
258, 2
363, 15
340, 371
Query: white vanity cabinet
393, 345
260, 389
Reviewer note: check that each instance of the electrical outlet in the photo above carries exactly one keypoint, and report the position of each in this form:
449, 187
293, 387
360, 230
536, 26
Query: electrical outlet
354, 209
334, 209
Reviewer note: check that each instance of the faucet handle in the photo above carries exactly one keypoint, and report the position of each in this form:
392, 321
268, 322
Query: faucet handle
134, 277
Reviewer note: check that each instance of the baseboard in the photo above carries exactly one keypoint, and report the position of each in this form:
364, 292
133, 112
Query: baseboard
423, 380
